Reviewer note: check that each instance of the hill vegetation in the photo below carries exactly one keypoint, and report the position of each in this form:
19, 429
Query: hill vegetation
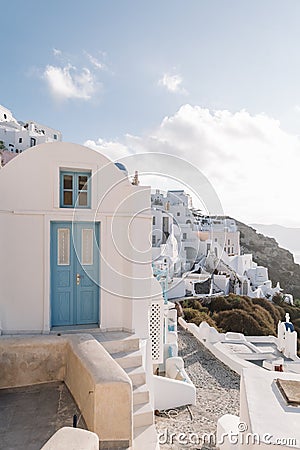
252, 317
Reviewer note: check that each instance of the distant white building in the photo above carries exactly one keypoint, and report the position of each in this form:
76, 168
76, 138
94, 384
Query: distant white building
186, 242
17, 136
220, 230
197, 235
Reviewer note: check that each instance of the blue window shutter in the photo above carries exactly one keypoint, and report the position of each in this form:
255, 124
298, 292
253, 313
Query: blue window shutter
74, 190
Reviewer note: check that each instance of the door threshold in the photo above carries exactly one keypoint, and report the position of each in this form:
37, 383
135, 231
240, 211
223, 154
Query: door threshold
75, 328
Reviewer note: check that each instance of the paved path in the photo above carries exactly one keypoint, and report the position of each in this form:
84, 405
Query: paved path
217, 394
29, 416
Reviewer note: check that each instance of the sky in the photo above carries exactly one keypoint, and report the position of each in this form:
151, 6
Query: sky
213, 82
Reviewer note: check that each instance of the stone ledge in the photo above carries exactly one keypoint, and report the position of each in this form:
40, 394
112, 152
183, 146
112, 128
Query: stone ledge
102, 390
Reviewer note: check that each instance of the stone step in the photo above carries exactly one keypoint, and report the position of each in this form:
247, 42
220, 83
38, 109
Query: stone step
123, 345
137, 375
142, 415
141, 394
128, 359
145, 438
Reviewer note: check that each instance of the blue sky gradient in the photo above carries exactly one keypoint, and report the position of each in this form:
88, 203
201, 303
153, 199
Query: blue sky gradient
108, 69
231, 54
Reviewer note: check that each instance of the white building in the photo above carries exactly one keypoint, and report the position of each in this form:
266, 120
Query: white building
196, 234
172, 216
18, 136
186, 240
48, 191
220, 230
75, 253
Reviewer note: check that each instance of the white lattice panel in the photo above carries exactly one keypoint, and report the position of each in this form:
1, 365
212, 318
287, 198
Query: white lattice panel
156, 331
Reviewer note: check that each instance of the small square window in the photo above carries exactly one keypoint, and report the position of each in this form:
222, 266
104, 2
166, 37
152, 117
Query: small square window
75, 190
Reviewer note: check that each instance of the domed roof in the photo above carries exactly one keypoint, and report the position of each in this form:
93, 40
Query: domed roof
121, 166
289, 326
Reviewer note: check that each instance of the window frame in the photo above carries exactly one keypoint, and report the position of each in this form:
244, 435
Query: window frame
75, 188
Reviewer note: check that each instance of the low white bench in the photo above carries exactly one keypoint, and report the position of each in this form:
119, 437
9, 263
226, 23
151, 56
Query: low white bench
68, 438
175, 369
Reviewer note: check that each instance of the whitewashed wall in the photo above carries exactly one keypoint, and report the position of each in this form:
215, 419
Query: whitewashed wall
31, 201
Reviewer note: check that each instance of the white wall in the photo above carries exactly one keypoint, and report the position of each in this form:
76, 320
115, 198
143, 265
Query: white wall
31, 202
158, 230
6, 115
241, 263
229, 241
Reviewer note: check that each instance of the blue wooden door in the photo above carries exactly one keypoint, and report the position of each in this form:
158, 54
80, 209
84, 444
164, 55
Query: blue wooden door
74, 273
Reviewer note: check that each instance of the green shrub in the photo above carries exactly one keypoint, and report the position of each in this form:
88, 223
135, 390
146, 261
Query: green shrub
264, 319
237, 302
270, 307
297, 323
253, 317
239, 321
281, 312
293, 311
277, 299
195, 304
195, 316
219, 304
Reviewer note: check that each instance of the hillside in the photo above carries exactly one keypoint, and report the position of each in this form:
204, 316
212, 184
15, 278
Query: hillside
266, 252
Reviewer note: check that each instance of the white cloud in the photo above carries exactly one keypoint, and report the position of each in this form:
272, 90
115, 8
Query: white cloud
112, 149
57, 52
249, 159
95, 62
173, 83
69, 82
74, 76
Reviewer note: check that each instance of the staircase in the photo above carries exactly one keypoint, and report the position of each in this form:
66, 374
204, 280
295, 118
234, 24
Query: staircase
126, 352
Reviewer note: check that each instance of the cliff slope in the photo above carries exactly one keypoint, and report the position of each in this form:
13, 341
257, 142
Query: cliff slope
266, 252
